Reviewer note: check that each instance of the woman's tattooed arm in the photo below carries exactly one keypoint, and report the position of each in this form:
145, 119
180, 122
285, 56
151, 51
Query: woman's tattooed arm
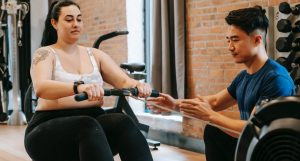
40, 56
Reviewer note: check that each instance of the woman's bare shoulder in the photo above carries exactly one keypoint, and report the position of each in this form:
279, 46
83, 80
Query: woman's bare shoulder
99, 54
41, 54
42, 49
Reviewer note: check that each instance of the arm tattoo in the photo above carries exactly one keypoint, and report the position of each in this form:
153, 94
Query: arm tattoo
40, 56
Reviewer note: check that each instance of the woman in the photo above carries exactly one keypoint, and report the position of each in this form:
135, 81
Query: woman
63, 129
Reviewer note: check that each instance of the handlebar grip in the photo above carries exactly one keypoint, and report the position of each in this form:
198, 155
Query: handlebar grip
154, 93
84, 96
115, 92
122, 32
135, 92
81, 96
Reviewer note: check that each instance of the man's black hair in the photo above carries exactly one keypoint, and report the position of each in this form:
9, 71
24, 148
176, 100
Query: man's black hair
249, 19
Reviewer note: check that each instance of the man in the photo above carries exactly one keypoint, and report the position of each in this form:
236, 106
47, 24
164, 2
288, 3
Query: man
262, 79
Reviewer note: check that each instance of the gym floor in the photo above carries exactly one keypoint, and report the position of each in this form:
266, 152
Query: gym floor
12, 148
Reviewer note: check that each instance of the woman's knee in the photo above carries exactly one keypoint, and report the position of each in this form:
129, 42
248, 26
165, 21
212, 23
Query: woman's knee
87, 125
48, 135
87, 121
116, 121
126, 121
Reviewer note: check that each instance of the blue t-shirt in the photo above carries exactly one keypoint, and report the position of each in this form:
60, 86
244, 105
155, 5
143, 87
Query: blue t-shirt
270, 82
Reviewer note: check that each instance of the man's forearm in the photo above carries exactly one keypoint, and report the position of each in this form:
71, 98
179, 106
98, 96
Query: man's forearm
211, 99
228, 123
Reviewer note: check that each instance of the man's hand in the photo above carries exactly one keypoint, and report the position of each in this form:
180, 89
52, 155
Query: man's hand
167, 103
198, 108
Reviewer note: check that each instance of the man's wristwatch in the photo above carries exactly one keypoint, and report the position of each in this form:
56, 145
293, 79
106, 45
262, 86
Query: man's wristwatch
75, 86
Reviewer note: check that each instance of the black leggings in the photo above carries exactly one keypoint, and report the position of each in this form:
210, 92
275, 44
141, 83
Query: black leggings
84, 137
218, 145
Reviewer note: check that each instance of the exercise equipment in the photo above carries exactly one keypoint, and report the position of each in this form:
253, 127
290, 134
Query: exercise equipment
123, 106
286, 44
285, 25
290, 61
285, 8
295, 72
116, 92
296, 29
135, 71
287, 29
15, 12
108, 36
273, 133
13, 9
288, 40
5, 83
30, 102
283, 61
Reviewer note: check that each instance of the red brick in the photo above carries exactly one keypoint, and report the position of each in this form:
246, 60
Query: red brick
227, 57
210, 44
199, 65
260, 3
214, 73
217, 29
199, 44
294, 1
220, 43
214, 65
201, 4
231, 7
200, 73
199, 51
220, 3
203, 37
202, 11
215, 51
230, 74
275, 2
201, 58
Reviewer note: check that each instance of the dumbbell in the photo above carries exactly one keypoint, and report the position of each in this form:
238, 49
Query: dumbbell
288, 61
283, 61
297, 61
285, 25
296, 29
295, 73
286, 44
285, 8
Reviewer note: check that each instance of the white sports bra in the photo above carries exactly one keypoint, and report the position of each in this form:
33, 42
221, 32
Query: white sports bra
60, 74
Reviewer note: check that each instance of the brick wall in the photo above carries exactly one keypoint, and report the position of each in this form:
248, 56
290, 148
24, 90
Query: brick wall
101, 17
210, 66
